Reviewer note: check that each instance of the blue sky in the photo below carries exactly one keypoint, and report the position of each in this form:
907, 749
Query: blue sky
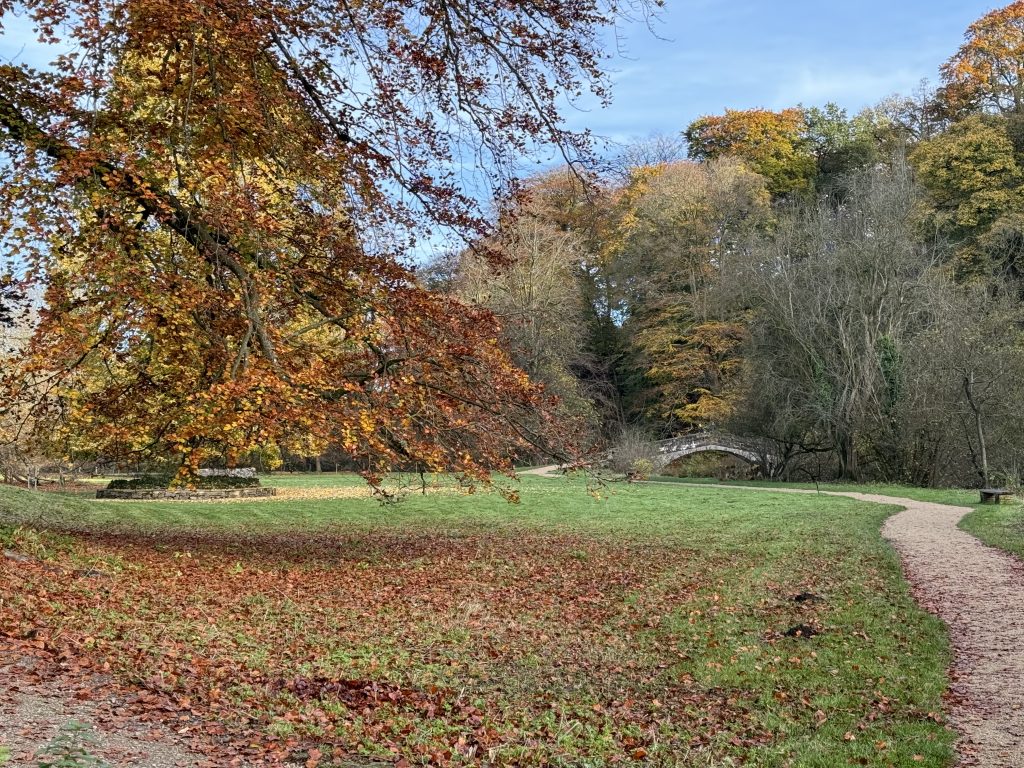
704, 56
712, 54
707, 55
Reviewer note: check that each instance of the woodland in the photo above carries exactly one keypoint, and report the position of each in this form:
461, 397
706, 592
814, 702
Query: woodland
214, 222
848, 287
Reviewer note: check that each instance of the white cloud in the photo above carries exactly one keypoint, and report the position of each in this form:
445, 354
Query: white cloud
851, 88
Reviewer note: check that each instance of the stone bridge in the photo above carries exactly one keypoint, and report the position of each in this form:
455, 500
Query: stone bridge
752, 450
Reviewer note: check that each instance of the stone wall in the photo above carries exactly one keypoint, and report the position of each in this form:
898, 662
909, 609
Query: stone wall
236, 472
185, 494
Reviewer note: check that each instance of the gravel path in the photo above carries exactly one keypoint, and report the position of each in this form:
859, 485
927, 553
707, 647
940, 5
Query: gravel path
33, 720
978, 591
35, 706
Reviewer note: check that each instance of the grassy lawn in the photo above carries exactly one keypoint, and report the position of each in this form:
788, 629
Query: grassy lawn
956, 496
1000, 526
645, 627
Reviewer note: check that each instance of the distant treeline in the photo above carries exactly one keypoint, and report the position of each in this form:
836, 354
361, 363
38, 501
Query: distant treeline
849, 286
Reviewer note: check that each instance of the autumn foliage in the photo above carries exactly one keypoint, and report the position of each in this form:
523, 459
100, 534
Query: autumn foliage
771, 142
988, 70
218, 201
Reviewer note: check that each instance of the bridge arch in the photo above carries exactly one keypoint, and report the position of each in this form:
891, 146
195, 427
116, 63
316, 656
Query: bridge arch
666, 458
751, 450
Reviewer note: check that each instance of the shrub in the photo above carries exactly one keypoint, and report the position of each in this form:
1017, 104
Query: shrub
632, 445
159, 482
641, 469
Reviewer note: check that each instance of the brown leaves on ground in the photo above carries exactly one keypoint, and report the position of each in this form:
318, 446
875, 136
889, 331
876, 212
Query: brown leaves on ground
361, 491
434, 648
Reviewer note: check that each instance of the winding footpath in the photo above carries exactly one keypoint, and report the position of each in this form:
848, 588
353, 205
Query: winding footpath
978, 591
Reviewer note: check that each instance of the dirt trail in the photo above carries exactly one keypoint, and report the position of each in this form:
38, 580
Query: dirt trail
35, 707
978, 591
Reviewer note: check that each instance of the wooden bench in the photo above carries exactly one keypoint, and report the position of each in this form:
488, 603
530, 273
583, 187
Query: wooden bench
993, 495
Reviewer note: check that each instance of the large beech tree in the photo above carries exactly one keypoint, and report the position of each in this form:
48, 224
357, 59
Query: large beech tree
216, 197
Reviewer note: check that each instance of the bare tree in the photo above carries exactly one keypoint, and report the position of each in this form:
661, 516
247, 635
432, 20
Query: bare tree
975, 349
835, 293
538, 299
657, 149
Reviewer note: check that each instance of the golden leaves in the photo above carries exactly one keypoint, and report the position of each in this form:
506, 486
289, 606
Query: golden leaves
988, 70
771, 142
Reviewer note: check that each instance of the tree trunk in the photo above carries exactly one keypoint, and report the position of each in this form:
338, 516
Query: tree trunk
848, 469
981, 446
319, 467
978, 425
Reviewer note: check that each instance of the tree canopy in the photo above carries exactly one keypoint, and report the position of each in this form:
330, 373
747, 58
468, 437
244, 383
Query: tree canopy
988, 70
771, 142
216, 212
219, 199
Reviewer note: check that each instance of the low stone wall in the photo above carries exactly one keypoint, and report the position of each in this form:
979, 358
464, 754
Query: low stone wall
184, 494
236, 472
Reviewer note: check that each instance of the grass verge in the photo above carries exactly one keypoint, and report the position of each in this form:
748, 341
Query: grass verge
955, 496
998, 525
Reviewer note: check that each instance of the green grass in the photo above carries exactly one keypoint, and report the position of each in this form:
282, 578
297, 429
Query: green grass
643, 627
955, 496
998, 525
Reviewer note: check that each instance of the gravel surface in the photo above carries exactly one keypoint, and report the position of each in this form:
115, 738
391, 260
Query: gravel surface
36, 704
977, 591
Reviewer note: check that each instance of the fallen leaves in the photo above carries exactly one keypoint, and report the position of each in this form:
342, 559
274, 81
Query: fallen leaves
368, 643
431, 647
